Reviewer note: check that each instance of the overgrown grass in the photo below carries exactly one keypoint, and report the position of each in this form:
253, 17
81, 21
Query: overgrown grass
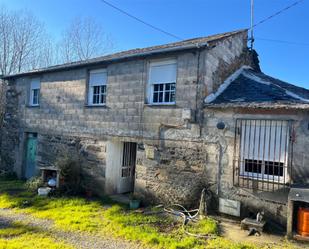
160, 231
18, 235
73, 213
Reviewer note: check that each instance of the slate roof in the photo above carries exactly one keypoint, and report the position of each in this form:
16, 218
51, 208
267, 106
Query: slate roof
138, 52
248, 88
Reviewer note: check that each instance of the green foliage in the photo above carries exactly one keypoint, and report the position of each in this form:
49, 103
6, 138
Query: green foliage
156, 230
221, 243
11, 186
34, 183
8, 175
203, 227
104, 218
32, 241
70, 171
19, 235
15, 229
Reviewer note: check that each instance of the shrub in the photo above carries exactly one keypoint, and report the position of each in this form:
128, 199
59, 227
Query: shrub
70, 172
8, 175
34, 183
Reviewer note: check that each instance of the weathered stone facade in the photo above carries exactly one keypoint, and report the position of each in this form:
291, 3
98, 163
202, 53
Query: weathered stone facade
177, 156
273, 203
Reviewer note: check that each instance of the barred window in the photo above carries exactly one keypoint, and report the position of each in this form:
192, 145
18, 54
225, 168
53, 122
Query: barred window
162, 82
97, 87
262, 153
128, 159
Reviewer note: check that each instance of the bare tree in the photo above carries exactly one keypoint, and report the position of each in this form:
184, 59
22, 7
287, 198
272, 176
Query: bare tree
22, 47
21, 36
44, 55
8, 53
83, 39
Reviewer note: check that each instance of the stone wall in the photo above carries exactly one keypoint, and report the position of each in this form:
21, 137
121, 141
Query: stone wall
272, 203
63, 110
176, 173
90, 153
178, 159
10, 134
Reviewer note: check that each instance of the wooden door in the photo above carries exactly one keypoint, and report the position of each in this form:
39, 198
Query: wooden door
31, 146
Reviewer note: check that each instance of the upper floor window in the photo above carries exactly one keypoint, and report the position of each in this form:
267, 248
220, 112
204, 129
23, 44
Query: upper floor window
35, 92
97, 87
162, 82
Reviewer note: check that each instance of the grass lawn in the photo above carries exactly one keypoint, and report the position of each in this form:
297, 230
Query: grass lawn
18, 235
100, 217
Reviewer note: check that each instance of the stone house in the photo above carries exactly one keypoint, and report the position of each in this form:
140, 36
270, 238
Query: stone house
166, 122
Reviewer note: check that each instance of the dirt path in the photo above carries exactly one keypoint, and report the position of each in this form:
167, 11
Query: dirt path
231, 230
77, 239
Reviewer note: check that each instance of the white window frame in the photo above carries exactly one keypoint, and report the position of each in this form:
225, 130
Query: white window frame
246, 153
91, 86
150, 90
35, 85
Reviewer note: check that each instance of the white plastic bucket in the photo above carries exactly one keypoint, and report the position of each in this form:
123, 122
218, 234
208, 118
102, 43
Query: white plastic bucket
43, 191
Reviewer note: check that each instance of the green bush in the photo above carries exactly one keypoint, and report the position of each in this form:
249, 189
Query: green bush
34, 183
8, 175
70, 172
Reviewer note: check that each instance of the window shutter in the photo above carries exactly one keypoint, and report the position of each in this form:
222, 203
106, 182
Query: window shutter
97, 78
163, 73
35, 84
265, 141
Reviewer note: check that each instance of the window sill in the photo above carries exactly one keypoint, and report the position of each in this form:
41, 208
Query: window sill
33, 106
271, 179
172, 105
95, 106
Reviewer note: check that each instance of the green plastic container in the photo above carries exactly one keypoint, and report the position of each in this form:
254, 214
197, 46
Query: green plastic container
134, 204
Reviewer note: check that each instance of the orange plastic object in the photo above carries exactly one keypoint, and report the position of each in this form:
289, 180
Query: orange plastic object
303, 221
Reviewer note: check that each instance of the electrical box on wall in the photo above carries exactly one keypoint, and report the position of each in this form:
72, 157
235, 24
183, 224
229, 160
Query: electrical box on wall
230, 207
186, 114
150, 152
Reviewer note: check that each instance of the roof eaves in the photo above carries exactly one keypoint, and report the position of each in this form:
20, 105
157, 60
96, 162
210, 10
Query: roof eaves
113, 57
259, 105
94, 62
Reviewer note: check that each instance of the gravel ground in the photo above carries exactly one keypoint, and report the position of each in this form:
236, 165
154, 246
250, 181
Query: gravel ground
77, 239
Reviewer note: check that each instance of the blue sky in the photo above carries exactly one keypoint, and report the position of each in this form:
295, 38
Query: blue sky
188, 19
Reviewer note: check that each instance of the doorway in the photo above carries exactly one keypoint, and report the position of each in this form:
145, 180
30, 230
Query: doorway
120, 167
30, 155
126, 183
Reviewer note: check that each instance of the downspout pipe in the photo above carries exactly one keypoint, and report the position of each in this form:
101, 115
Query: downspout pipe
219, 168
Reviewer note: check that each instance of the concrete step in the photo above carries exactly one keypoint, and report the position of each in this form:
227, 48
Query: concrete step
121, 198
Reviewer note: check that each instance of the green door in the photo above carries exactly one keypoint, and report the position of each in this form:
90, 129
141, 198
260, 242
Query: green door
30, 155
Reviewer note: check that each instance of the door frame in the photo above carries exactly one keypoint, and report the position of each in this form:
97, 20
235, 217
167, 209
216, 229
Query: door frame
113, 170
132, 174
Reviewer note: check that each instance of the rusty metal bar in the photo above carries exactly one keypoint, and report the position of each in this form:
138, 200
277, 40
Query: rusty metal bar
242, 156
234, 156
274, 157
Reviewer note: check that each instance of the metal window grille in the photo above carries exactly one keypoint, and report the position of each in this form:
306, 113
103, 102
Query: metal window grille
128, 160
263, 154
